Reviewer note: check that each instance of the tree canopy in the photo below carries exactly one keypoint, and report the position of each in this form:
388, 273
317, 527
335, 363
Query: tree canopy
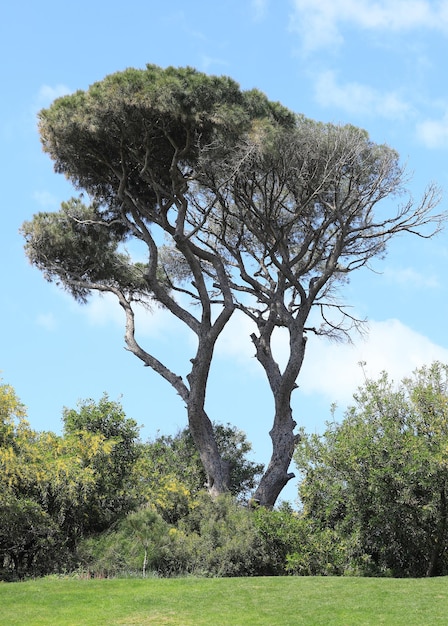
241, 205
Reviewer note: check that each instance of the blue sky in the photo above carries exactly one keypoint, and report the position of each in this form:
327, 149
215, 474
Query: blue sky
380, 65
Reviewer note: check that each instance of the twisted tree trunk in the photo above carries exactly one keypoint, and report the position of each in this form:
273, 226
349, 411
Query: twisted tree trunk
277, 475
282, 385
217, 470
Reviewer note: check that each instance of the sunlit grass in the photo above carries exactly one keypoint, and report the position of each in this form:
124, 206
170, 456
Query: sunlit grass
225, 602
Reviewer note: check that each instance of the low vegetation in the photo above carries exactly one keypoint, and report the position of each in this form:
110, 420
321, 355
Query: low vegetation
97, 502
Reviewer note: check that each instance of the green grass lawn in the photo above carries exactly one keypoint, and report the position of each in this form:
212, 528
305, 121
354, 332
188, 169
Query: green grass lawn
225, 601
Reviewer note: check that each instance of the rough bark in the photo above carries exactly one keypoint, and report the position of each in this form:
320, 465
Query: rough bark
201, 428
276, 475
217, 470
282, 433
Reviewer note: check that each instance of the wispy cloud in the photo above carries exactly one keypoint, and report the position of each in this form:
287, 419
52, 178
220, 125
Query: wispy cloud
357, 98
409, 277
433, 133
104, 310
235, 341
46, 199
48, 93
259, 8
209, 62
321, 24
332, 370
44, 97
23, 122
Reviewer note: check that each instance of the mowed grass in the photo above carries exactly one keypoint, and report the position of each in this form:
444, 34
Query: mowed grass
225, 601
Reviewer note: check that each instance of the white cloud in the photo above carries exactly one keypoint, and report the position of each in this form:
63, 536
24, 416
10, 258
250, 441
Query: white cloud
104, 309
209, 62
408, 276
316, 22
46, 199
44, 97
434, 133
48, 93
235, 341
24, 121
331, 369
334, 371
356, 98
320, 23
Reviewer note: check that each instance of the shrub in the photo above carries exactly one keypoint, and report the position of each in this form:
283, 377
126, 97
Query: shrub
217, 538
133, 547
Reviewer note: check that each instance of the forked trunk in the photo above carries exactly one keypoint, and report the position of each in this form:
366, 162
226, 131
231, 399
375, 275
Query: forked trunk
282, 434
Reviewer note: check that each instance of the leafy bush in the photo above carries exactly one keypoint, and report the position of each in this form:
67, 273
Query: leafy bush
295, 545
217, 538
280, 533
379, 479
30, 541
322, 552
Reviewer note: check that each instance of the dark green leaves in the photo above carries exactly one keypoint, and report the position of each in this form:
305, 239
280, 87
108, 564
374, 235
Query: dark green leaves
128, 128
380, 477
79, 246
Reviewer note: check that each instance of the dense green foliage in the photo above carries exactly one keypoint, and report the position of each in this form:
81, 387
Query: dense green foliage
379, 479
57, 489
115, 493
98, 497
98, 501
215, 537
178, 456
172, 108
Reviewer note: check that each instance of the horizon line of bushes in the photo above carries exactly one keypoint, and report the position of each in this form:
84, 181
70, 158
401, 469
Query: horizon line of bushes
96, 501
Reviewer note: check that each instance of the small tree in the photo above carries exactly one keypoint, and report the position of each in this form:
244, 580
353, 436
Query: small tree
259, 210
47, 487
114, 494
137, 542
380, 477
147, 529
12, 417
